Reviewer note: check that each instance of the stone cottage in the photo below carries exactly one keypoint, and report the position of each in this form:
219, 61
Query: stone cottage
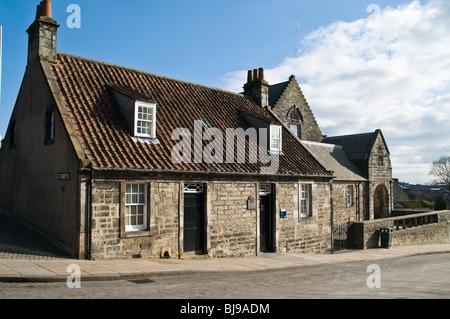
114, 162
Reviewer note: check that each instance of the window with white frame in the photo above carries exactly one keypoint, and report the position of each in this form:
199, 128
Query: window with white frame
275, 138
305, 201
145, 120
350, 195
135, 207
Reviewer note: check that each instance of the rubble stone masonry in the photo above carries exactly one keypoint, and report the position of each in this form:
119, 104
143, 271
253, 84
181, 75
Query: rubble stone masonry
232, 227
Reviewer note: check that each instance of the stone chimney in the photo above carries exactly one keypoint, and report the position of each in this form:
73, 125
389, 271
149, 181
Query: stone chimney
257, 87
42, 34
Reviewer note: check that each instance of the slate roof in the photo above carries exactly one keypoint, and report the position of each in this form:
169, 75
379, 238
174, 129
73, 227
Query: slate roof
357, 146
86, 88
275, 92
333, 158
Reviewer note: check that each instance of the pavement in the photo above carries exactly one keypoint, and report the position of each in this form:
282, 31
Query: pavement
27, 257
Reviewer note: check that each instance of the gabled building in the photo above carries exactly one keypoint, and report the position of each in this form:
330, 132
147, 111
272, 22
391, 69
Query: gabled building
114, 162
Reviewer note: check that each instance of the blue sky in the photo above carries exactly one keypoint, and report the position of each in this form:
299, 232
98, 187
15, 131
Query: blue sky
359, 70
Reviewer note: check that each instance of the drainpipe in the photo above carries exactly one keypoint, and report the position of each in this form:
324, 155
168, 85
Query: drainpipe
391, 198
332, 217
358, 202
89, 218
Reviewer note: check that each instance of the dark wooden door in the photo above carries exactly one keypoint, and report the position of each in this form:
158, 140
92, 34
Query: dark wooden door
266, 223
194, 222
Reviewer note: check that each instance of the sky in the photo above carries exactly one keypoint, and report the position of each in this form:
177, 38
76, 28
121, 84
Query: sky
362, 65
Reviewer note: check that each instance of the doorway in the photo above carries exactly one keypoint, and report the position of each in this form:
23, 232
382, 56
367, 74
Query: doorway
381, 202
267, 218
194, 219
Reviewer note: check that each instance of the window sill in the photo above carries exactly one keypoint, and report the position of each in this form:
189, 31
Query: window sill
136, 233
306, 220
146, 140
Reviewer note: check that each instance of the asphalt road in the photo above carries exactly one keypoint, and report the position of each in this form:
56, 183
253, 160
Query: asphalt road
418, 277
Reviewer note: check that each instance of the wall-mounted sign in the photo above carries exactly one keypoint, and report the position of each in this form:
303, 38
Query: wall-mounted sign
251, 203
63, 177
283, 213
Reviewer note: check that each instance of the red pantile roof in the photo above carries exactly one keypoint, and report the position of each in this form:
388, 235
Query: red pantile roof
86, 86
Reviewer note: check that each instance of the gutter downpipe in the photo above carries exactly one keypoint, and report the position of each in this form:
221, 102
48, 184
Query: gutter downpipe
332, 216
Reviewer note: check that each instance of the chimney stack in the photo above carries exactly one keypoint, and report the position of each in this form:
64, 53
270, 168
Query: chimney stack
257, 87
42, 34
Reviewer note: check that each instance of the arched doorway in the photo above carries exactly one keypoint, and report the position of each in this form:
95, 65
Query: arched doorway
381, 202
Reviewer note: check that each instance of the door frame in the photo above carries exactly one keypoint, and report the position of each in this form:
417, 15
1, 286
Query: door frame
264, 191
189, 188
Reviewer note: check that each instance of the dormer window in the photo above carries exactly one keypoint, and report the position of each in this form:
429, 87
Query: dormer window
138, 113
145, 120
275, 138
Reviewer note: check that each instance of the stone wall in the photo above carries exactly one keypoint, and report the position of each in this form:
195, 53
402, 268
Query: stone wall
29, 187
105, 221
427, 230
232, 227
298, 234
109, 238
342, 213
380, 175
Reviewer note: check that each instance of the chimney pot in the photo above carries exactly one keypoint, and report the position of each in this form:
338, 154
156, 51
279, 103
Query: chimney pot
255, 74
261, 73
250, 76
47, 8
44, 9
38, 11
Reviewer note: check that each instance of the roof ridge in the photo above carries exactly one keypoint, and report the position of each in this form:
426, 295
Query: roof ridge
350, 135
149, 73
322, 144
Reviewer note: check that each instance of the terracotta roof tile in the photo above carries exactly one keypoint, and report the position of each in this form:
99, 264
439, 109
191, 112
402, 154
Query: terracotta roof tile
87, 85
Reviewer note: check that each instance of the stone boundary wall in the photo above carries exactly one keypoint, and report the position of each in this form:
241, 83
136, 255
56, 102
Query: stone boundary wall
435, 230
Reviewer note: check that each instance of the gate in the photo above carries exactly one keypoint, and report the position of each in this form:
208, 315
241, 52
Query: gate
341, 237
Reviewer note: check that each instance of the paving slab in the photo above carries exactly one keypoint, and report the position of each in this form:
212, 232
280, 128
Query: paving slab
27, 268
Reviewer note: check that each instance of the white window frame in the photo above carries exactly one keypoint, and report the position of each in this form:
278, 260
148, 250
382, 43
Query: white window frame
349, 195
152, 108
135, 199
305, 200
274, 140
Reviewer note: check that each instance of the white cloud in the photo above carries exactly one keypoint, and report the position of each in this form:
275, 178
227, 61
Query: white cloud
390, 71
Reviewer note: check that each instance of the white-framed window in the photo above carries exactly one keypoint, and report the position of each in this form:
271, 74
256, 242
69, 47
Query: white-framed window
349, 195
305, 200
275, 138
145, 120
135, 207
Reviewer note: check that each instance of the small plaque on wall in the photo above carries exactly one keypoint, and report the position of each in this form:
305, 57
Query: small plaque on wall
251, 203
283, 213
62, 177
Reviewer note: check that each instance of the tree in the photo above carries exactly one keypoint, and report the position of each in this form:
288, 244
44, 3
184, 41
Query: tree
440, 204
441, 169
